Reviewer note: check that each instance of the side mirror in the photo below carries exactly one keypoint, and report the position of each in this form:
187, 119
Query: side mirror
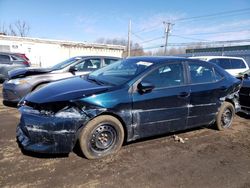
72, 69
246, 76
145, 87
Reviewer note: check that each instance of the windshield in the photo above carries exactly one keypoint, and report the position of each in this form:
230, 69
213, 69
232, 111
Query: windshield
65, 63
120, 72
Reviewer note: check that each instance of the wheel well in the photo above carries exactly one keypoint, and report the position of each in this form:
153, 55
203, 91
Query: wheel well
122, 122
38, 85
230, 101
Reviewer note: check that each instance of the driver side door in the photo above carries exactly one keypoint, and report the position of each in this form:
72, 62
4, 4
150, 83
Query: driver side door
164, 108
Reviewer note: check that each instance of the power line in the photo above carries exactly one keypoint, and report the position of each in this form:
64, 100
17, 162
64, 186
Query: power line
239, 11
211, 15
151, 40
212, 33
211, 42
195, 43
183, 37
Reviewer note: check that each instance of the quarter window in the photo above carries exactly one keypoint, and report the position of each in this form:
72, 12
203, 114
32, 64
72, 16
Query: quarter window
201, 74
166, 76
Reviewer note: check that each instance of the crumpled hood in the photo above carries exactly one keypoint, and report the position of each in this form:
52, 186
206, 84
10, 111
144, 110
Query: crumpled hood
65, 90
23, 72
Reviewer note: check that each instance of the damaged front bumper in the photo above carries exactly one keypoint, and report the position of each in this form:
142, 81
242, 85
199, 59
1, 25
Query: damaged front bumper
48, 133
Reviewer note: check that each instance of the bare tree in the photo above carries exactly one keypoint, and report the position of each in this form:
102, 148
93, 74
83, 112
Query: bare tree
19, 28
22, 28
136, 49
3, 30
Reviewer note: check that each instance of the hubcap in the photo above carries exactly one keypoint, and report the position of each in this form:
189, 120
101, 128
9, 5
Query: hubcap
103, 137
226, 118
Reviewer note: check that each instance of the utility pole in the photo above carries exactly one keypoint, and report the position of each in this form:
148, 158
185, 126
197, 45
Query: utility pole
167, 31
129, 36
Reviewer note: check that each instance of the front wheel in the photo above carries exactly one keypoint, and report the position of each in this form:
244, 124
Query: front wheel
102, 136
225, 116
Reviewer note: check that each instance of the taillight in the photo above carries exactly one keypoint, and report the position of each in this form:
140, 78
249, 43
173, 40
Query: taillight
26, 63
23, 56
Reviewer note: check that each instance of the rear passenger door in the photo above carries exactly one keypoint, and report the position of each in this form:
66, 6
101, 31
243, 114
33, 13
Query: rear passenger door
206, 86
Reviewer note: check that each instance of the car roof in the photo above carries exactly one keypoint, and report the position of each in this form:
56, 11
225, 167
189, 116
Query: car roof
96, 56
160, 59
213, 57
8, 53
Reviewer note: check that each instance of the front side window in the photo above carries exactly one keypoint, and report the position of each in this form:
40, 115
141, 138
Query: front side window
88, 65
166, 76
65, 63
201, 73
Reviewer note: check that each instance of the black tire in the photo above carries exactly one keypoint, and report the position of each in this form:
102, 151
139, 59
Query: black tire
102, 136
225, 116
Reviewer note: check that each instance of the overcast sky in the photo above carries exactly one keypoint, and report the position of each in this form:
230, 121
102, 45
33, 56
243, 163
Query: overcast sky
83, 20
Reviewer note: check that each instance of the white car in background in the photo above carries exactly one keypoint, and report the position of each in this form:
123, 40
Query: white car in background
233, 65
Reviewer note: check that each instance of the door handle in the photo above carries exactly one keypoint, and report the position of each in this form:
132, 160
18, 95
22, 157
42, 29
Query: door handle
184, 94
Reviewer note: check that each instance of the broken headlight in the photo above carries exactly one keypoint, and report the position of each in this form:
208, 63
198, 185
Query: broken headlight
68, 113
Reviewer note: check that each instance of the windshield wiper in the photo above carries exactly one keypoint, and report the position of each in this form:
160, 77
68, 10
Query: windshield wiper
95, 80
99, 82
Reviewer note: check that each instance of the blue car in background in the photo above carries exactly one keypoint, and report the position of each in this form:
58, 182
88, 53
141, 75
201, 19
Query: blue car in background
130, 99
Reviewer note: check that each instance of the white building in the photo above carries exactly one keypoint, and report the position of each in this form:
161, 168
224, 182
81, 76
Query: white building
46, 52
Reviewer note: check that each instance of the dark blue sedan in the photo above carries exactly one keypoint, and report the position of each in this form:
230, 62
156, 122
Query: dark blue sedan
130, 99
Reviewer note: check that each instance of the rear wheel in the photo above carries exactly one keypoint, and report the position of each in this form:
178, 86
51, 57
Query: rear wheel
102, 136
225, 116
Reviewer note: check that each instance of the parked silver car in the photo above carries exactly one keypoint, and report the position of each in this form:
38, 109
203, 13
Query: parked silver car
25, 80
11, 61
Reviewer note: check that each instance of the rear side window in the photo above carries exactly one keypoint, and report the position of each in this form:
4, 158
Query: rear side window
237, 64
4, 59
223, 63
201, 74
229, 63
